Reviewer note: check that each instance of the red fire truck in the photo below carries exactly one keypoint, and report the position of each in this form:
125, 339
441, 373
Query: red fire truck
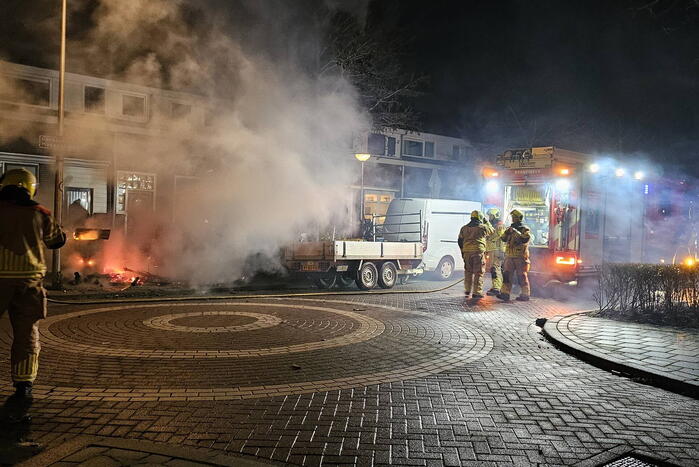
581, 211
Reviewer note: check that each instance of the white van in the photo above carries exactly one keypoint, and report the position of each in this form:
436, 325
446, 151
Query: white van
440, 219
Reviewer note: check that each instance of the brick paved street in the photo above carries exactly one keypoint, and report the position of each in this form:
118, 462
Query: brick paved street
407, 379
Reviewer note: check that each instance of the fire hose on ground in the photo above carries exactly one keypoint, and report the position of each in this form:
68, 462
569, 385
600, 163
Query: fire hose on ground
247, 296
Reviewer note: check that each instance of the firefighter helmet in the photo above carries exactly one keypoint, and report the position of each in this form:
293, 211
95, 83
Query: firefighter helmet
517, 216
475, 214
494, 213
21, 178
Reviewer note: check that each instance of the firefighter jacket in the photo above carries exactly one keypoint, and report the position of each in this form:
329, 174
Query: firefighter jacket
494, 241
26, 226
516, 239
472, 237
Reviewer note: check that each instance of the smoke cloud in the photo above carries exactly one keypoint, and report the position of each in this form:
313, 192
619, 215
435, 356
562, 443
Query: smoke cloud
274, 158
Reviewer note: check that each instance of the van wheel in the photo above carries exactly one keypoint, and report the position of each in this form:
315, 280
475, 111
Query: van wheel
367, 276
388, 275
445, 268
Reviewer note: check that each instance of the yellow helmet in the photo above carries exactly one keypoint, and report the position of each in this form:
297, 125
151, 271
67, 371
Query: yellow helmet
494, 213
21, 178
517, 216
475, 214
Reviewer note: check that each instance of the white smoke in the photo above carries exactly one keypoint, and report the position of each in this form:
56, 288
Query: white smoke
274, 161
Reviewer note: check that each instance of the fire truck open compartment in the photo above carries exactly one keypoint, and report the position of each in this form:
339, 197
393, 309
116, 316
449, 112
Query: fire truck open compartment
534, 201
582, 211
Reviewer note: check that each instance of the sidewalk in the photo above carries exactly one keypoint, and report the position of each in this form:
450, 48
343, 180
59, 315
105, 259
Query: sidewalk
665, 355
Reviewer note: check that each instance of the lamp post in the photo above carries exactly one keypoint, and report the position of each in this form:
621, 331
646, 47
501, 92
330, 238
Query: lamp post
362, 157
58, 182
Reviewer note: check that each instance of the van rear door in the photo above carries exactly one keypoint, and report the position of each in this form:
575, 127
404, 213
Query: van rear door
403, 218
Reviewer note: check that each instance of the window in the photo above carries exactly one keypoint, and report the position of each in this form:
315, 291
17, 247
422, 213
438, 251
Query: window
132, 181
412, 148
25, 91
78, 199
94, 100
429, 149
376, 144
455, 153
376, 204
390, 146
31, 167
133, 106
179, 110
417, 181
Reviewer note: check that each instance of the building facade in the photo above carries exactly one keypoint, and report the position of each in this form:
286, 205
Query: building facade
118, 139
107, 127
414, 164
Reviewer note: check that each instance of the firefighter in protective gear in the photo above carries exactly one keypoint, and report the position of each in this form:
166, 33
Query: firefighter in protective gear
26, 226
516, 239
472, 241
495, 251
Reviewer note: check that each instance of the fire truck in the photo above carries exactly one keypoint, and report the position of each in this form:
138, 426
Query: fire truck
581, 211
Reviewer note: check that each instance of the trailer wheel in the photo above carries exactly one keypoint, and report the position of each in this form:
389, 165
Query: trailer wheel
445, 268
403, 279
324, 281
344, 280
367, 276
388, 275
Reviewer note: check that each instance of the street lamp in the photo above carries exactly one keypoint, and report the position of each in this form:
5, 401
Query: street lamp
58, 181
362, 157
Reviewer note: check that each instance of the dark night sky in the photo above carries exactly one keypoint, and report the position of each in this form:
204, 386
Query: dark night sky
594, 76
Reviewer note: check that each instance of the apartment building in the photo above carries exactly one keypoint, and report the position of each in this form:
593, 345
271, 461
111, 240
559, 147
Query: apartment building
108, 125
415, 164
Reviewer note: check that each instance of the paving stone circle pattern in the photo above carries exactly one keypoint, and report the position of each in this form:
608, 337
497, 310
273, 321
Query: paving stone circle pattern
447, 382
297, 344
260, 321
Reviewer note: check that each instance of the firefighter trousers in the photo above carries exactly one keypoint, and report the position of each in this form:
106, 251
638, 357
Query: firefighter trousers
25, 301
519, 267
474, 268
494, 265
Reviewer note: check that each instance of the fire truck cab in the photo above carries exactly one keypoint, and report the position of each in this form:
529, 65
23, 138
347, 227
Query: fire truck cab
581, 213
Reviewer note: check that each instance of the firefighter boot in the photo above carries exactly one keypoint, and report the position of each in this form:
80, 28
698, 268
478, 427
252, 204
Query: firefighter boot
522, 298
493, 292
23, 389
505, 297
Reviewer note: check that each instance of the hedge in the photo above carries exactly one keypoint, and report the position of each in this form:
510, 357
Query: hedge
648, 288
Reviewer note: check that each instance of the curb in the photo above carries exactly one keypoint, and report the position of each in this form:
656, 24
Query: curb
550, 330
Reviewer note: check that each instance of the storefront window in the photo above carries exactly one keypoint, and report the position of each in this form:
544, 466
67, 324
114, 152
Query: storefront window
132, 181
376, 204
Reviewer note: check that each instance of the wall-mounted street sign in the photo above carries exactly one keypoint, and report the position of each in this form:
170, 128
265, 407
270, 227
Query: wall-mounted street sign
535, 158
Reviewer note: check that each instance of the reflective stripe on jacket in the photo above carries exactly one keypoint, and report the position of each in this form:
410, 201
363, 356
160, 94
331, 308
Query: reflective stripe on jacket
494, 241
25, 228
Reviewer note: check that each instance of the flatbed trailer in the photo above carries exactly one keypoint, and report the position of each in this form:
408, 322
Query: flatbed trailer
365, 263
